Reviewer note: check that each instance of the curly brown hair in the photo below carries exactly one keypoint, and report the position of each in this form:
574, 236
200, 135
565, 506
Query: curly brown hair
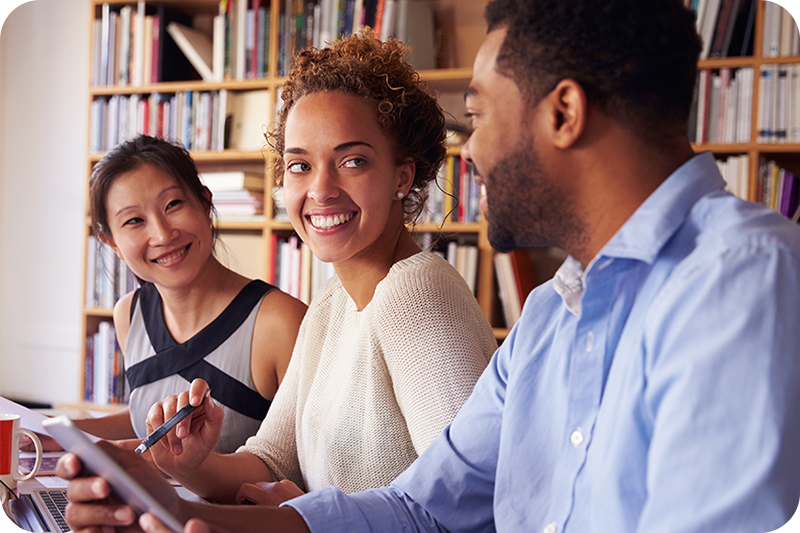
406, 109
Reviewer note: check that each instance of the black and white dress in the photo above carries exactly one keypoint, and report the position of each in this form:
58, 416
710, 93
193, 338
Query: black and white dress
156, 366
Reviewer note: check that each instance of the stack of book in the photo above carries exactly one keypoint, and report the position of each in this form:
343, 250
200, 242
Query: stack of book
736, 170
295, 270
104, 375
781, 37
779, 104
107, 277
778, 188
455, 195
722, 108
236, 194
725, 26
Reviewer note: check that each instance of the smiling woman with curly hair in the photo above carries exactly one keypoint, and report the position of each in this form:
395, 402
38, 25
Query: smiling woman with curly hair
392, 346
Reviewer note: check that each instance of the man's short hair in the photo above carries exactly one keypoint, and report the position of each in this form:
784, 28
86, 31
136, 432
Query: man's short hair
635, 59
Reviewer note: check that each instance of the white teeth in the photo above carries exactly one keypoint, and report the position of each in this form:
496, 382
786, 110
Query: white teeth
329, 222
172, 257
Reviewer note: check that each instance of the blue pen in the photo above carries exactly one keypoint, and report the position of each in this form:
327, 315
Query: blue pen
165, 428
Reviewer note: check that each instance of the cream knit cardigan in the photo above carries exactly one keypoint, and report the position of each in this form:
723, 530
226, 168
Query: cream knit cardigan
366, 392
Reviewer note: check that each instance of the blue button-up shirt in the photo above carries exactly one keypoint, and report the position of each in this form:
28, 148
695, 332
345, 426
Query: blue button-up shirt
655, 391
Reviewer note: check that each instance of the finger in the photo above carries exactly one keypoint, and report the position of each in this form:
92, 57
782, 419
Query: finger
87, 489
196, 526
151, 524
81, 516
169, 406
68, 466
244, 496
184, 427
197, 389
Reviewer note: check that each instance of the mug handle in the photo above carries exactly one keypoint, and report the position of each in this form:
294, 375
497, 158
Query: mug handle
38, 444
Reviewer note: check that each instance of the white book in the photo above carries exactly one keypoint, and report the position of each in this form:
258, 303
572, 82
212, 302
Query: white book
125, 45
232, 180
317, 25
701, 10
250, 110
509, 296
196, 46
241, 21
471, 267
305, 273
709, 24
401, 26
781, 106
702, 120
91, 262
138, 46
387, 24
452, 248
744, 177
358, 19
218, 49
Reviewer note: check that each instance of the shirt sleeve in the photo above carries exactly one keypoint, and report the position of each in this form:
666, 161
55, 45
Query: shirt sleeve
724, 407
436, 343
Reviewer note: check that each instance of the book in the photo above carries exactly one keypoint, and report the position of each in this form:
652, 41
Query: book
232, 180
508, 292
169, 63
196, 46
249, 112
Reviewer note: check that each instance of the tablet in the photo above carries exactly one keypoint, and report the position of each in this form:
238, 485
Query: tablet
99, 463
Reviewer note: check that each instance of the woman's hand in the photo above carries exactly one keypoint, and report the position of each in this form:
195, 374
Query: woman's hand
264, 493
91, 502
184, 448
151, 524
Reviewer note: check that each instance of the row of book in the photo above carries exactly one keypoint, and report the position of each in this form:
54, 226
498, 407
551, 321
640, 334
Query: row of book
104, 374
735, 171
722, 108
779, 104
781, 36
295, 270
199, 120
725, 26
778, 188
107, 277
131, 46
455, 195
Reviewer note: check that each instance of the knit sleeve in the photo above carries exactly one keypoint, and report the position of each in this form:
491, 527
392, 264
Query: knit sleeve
275, 442
436, 343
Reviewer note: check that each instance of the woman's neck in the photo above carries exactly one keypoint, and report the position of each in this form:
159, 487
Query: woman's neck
360, 275
187, 310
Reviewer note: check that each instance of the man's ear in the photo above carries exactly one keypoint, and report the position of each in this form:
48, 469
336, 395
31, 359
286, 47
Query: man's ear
567, 113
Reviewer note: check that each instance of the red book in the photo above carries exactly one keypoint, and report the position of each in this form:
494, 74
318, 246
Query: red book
154, 65
379, 17
463, 189
523, 273
254, 51
273, 254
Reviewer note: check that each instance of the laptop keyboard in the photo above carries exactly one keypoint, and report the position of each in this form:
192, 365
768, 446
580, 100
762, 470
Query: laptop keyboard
56, 502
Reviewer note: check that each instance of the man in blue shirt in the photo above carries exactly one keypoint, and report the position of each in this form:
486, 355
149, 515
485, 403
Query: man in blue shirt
652, 384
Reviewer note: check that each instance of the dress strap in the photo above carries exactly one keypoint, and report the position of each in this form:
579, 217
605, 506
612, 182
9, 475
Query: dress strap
188, 359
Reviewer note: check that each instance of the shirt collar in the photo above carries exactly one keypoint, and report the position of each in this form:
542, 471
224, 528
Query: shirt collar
649, 228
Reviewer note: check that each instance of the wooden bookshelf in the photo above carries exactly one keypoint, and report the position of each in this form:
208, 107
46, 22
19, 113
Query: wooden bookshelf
463, 24
787, 153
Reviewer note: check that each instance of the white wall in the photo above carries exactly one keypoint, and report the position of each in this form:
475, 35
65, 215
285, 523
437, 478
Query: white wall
44, 52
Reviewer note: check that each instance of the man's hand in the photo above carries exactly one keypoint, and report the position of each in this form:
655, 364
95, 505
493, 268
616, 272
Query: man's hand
92, 504
264, 493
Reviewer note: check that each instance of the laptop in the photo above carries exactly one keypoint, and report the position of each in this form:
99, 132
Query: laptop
48, 466
38, 508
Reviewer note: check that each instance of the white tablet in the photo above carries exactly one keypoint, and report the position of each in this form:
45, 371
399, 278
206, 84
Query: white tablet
99, 463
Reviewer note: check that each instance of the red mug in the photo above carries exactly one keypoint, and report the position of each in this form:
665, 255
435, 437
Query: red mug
10, 432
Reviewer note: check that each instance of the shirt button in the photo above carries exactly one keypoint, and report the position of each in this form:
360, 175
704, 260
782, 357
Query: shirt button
576, 438
589, 341
552, 527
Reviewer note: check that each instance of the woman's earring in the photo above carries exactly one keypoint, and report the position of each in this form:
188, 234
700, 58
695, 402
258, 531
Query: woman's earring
399, 195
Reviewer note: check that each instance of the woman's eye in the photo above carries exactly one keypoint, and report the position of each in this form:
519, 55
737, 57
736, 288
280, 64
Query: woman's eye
131, 221
174, 203
355, 162
298, 167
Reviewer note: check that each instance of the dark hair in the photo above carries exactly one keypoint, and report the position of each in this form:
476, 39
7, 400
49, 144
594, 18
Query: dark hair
635, 59
406, 110
130, 155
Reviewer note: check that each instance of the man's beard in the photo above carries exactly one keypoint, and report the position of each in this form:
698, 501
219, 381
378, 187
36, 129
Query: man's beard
525, 206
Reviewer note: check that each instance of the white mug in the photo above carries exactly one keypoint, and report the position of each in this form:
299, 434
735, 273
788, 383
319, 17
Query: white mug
10, 432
